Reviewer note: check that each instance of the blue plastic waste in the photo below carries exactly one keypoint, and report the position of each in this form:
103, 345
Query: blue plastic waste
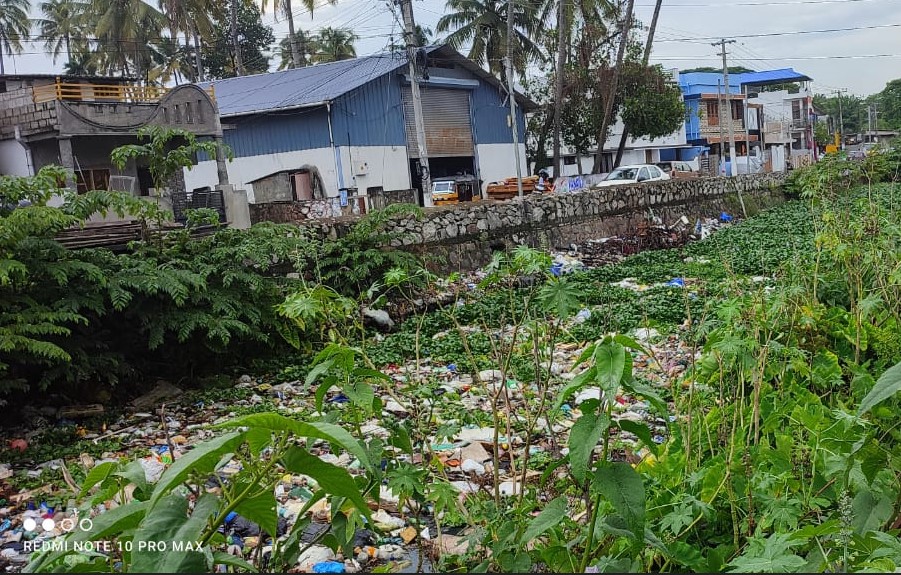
676, 282
230, 517
452, 367
328, 567
341, 398
557, 269
724, 217
5, 525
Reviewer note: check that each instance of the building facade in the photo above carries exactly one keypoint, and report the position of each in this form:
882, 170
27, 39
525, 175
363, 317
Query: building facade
345, 129
76, 122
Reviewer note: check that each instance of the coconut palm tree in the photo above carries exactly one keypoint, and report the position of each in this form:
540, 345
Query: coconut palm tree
307, 46
62, 25
287, 10
482, 24
195, 19
123, 29
171, 62
14, 25
334, 44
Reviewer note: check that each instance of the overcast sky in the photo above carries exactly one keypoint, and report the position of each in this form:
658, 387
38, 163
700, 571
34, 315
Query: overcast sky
814, 54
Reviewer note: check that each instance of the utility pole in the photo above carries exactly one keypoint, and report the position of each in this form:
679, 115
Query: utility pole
841, 120
512, 95
406, 8
732, 151
236, 46
719, 111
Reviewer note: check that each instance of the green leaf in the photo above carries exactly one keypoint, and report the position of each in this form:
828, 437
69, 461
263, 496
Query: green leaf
871, 511
331, 478
583, 438
95, 476
584, 378
106, 526
319, 430
223, 558
318, 370
620, 484
361, 393
825, 370
261, 510
258, 440
641, 431
201, 459
772, 555
168, 522
886, 386
610, 360
552, 514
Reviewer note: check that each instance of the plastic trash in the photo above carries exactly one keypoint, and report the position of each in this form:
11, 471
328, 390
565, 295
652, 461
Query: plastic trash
340, 398
676, 282
557, 269
328, 567
583, 315
724, 217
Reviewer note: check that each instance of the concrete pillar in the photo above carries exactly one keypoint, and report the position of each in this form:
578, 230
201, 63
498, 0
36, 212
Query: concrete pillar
221, 168
67, 159
237, 209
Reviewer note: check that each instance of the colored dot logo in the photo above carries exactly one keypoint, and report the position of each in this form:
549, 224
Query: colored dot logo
66, 525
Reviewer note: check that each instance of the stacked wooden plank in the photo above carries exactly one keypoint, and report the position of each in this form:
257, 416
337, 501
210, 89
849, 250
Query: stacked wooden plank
115, 235
507, 189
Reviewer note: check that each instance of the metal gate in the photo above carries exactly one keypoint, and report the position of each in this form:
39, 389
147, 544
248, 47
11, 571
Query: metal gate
448, 128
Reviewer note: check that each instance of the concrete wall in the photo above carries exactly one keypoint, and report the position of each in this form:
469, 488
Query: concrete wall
464, 236
14, 159
17, 108
496, 162
361, 167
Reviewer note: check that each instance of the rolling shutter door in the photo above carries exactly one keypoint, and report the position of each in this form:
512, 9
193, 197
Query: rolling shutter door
448, 128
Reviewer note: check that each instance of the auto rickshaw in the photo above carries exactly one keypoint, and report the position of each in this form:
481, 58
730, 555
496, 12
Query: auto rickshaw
455, 189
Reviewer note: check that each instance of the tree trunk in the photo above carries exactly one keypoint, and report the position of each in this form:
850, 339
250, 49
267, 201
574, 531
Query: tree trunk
644, 62
236, 46
579, 162
68, 51
614, 82
2, 64
198, 57
295, 53
558, 81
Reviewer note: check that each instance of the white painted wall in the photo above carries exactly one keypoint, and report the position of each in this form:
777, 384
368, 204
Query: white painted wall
497, 162
13, 159
373, 166
385, 166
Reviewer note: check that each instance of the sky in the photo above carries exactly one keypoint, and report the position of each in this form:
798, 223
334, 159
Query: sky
860, 60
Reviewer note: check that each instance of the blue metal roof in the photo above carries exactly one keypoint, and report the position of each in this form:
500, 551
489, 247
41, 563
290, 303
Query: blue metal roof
315, 85
781, 76
300, 87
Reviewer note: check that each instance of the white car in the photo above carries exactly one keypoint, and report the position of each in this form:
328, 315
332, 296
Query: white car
633, 175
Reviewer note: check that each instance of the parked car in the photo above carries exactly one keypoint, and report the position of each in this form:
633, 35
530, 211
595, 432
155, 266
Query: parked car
678, 169
633, 175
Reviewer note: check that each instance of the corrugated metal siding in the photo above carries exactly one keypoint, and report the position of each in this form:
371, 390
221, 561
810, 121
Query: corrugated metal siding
490, 117
448, 124
371, 115
304, 129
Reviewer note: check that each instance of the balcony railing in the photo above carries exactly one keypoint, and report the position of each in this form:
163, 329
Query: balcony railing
102, 93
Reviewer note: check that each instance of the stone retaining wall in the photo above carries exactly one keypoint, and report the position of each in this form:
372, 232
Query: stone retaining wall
463, 237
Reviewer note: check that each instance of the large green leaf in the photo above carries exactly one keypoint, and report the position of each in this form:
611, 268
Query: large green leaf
168, 523
584, 378
610, 360
623, 487
641, 431
583, 438
318, 430
201, 459
552, 514
260, 509
886, 386
331, 478
105, 526
96, 475
871, 511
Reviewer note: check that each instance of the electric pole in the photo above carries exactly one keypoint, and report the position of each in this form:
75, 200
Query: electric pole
512, 95
732, 151
236, 46
841, 120
406, 8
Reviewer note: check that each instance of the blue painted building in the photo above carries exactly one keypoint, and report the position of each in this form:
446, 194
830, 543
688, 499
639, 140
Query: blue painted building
310, 132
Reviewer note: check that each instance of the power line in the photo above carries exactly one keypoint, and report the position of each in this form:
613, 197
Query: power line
788, 33
788, 58
732, 4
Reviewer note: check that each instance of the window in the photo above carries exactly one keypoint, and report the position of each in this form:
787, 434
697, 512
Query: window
737, 107
643, 175
189, 113
713, 113
655, 172
569, 160
88, 180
